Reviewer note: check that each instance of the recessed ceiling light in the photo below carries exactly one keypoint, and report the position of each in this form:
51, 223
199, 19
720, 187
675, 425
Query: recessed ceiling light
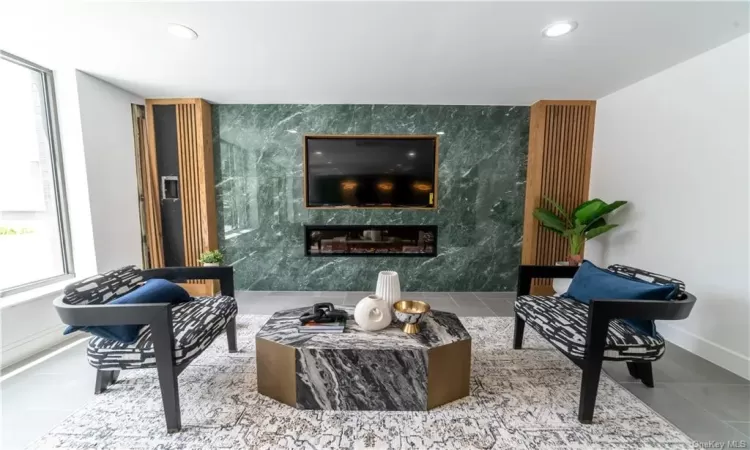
558, 29
292, 131
181, 31
440, 133
412, 154
318, 152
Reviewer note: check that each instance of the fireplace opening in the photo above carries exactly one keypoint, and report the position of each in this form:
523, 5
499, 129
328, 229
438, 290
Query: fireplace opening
371, 240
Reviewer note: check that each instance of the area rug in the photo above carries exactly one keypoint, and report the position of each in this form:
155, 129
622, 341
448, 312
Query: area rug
520, 399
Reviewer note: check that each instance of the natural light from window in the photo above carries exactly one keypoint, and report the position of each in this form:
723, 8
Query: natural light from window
30, 239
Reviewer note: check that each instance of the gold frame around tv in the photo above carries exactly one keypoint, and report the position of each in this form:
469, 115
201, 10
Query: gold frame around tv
435, 137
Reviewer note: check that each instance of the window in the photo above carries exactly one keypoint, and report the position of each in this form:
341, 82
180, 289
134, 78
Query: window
34, 233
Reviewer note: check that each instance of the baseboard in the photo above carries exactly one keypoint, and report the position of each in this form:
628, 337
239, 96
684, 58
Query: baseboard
36, 343
711, 351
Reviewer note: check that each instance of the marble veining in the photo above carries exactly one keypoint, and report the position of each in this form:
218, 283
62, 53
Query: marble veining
437, 328
384, 370
481, 187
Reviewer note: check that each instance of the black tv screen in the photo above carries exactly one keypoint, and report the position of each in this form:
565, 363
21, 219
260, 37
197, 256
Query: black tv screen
372, 171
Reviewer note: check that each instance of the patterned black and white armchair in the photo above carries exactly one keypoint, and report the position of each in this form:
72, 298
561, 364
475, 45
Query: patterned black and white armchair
589, 334
173, 335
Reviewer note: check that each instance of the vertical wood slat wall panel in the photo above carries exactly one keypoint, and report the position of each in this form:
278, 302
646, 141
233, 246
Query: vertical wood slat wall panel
188, 163
150, 178
559, 166
196, 183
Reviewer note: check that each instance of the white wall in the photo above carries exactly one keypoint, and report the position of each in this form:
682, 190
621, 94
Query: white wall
96, 135
106, 122
676, 146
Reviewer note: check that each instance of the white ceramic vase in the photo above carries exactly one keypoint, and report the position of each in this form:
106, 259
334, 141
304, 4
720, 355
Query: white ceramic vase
388, 287
210, 264
372, 313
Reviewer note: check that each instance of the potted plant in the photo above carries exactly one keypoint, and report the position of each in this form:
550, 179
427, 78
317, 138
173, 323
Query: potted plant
583, 223
211, 258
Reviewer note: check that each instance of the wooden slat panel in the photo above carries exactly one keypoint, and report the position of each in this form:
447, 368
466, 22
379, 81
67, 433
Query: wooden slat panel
559, 167
197, 193
151, 192
187, 157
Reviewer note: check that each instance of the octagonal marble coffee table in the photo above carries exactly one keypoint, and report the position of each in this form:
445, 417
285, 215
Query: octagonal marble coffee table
385, 370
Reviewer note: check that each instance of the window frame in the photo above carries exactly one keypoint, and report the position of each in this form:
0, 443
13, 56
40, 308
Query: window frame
58, 178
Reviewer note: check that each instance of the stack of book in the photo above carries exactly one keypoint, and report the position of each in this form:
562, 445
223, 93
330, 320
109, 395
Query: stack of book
331, 327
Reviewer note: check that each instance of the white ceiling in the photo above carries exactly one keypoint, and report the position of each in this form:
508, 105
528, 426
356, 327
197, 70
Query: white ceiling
361, 52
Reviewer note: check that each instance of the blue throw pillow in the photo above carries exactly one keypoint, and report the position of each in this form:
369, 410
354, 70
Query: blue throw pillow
153, 291
591, 282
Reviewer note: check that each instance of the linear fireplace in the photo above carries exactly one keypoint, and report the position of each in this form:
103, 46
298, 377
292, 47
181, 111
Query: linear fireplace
371, 240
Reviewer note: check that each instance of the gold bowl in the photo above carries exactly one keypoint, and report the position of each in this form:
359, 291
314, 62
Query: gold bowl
410, 313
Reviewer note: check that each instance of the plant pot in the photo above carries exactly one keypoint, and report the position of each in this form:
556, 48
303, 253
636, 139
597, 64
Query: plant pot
575, 260
561, 285
211, 264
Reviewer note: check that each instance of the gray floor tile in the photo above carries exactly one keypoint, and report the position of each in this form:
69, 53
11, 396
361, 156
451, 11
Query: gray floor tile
22, 427
727, 401
695, 421
250, 295
436, 294
352, 298
489, 295
472, 311
679, 365
293, 293
501, 307
441, 304
271, 304
742, 427
330, 294
466, 299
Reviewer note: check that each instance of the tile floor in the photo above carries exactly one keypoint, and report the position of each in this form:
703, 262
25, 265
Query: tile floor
705, 401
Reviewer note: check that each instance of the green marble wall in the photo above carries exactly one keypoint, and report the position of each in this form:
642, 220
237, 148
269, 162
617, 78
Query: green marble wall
258, 165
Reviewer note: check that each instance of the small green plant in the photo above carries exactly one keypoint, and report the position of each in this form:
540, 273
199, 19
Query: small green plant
7, 231
211, 257
583, 223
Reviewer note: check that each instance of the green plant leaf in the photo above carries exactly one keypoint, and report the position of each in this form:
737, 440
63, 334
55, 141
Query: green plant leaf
594, 232
603, 210
586, 212
561, 210
549, 220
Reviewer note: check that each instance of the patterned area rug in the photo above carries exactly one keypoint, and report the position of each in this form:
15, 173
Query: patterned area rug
525, 399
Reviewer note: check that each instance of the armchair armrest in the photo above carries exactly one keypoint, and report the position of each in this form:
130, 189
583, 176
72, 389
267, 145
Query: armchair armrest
106, 314
225, 275
642, 309
601, 311
526, 273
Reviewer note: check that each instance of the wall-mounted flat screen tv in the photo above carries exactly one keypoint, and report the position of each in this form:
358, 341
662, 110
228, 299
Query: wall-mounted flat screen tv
370, 171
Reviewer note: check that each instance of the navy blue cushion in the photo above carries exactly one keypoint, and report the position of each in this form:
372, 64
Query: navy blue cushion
591, 282
153, 291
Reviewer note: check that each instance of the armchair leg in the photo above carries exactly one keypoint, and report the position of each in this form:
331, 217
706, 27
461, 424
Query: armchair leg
104, 379
592, 368
518, 333
642, 371
100, 385
232, 335
163, 337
